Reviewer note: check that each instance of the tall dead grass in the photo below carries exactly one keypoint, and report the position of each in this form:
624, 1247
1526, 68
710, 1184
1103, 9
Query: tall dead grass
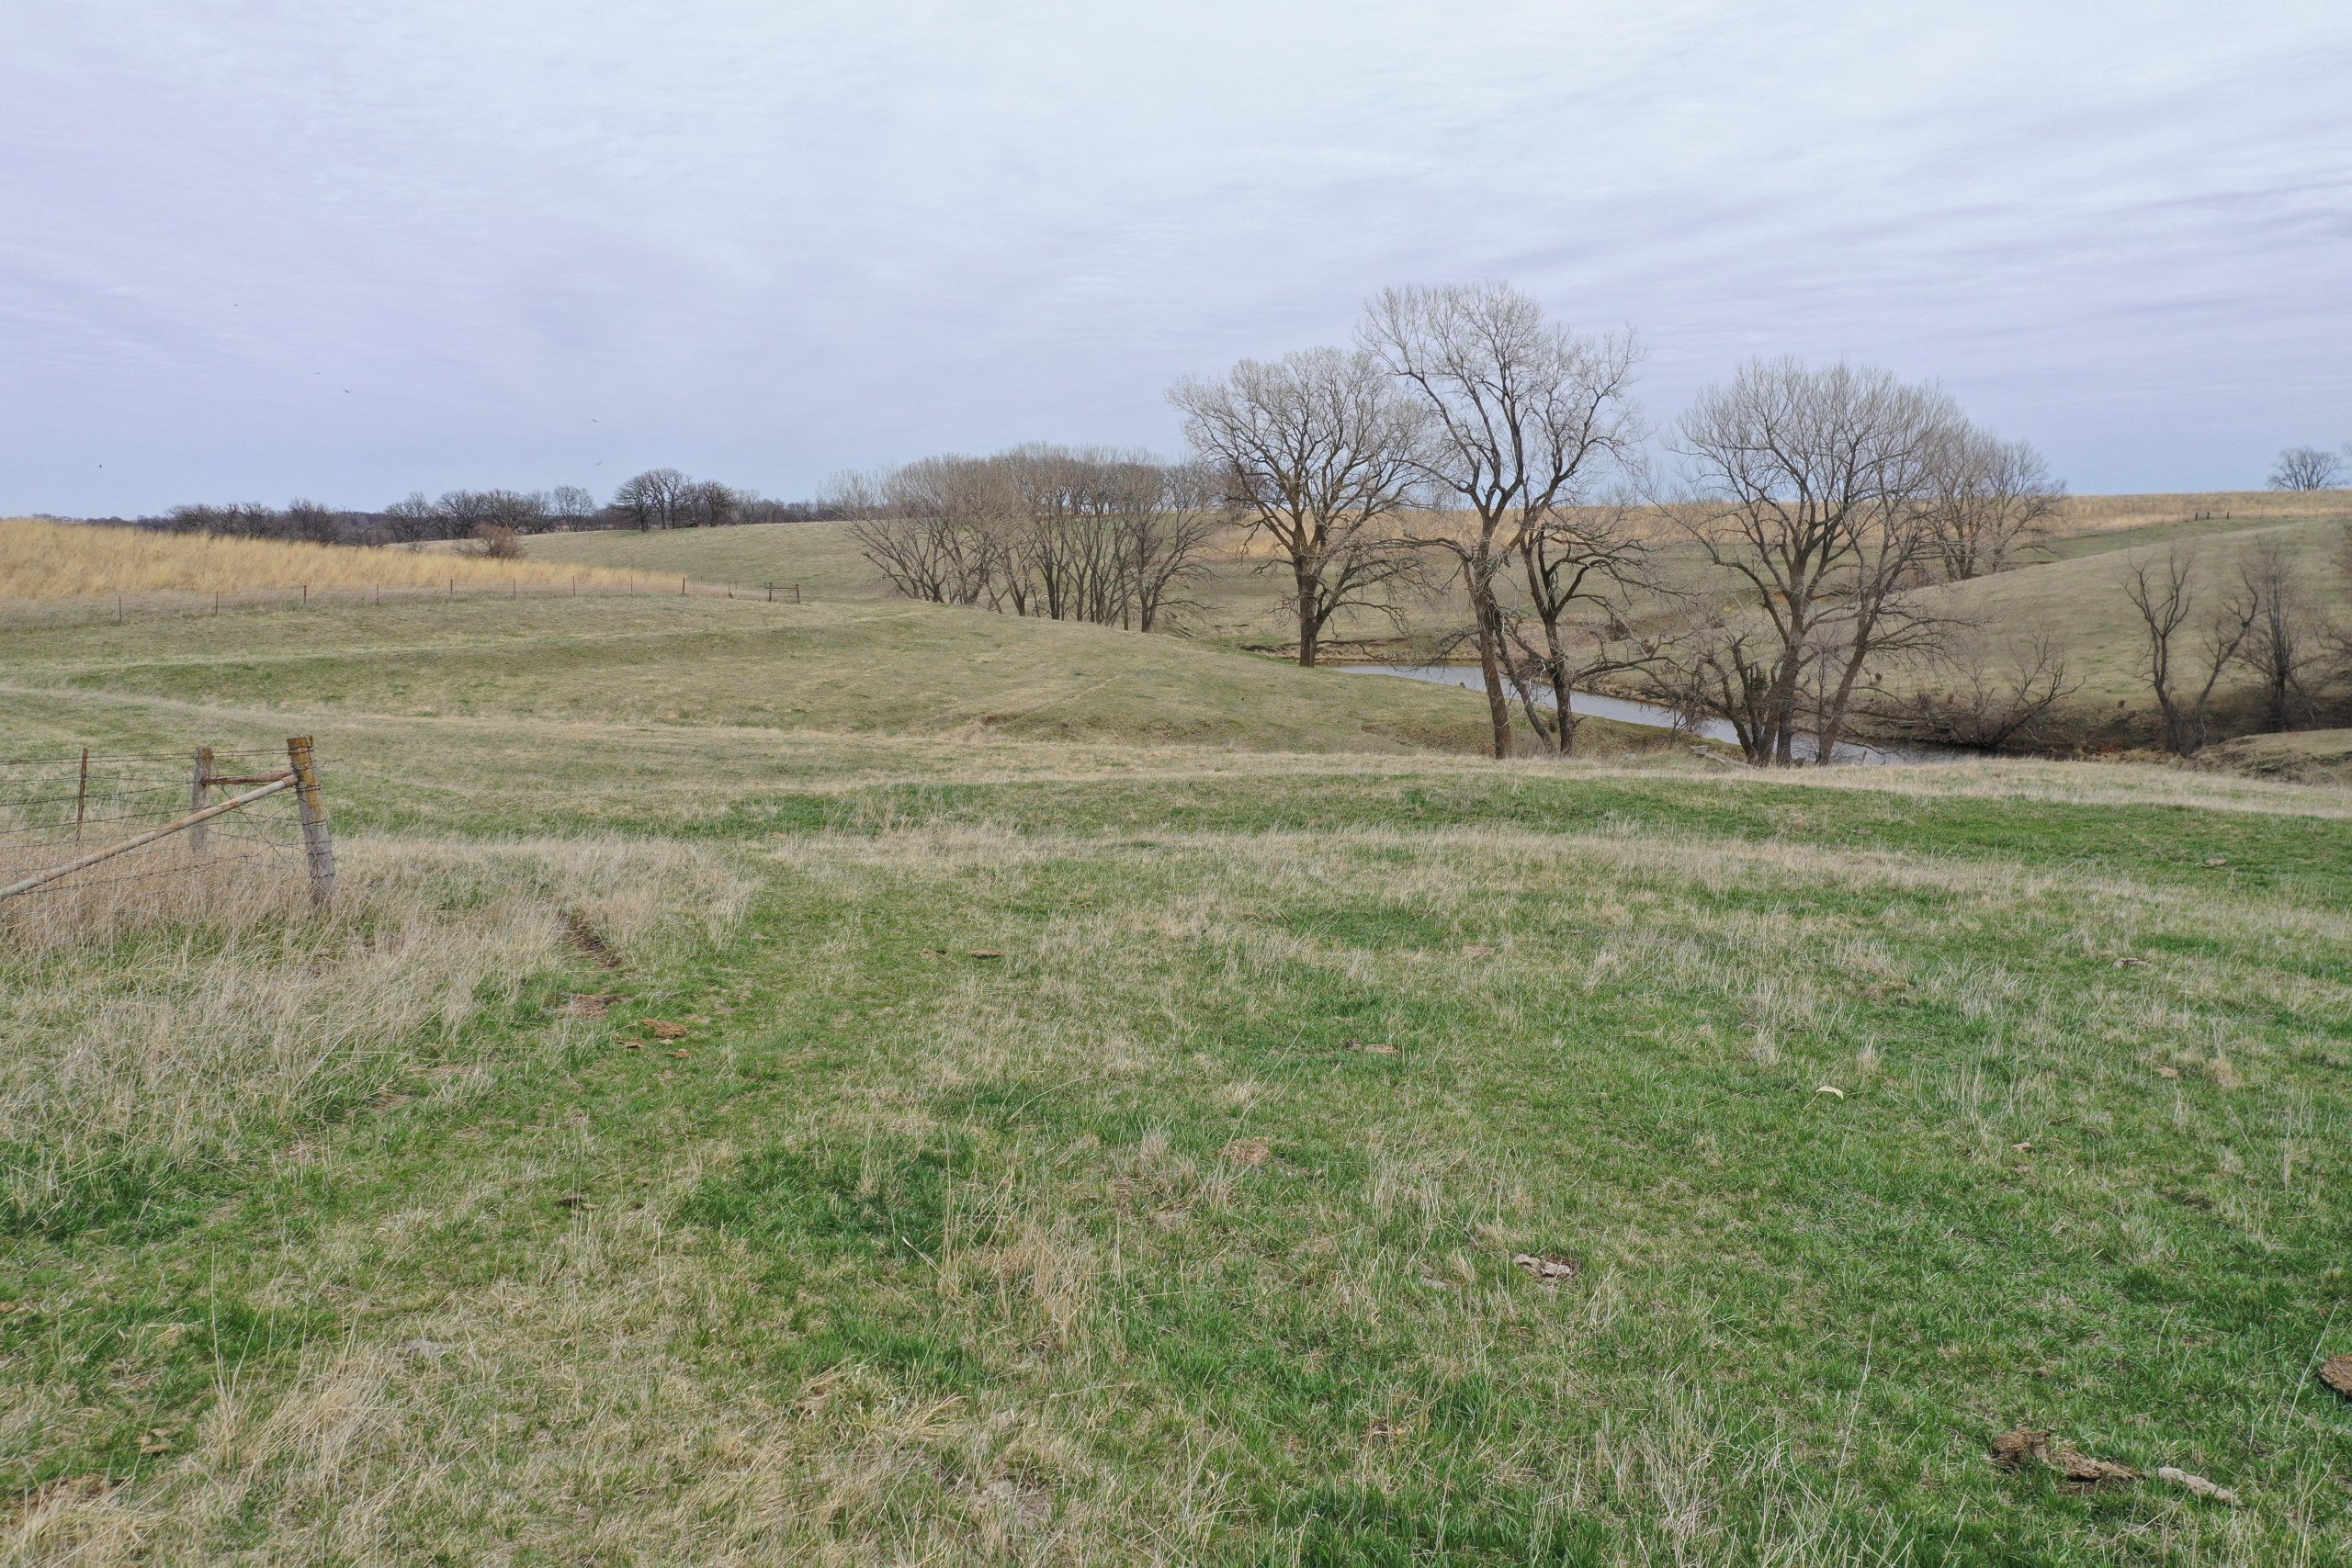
2109, 513
185, 1024
70, 560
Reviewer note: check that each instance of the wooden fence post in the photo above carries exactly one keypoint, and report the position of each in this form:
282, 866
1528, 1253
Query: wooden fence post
318, 843
199, 791
82, 794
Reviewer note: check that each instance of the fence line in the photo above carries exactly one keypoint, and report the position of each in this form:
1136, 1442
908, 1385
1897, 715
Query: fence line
299, 778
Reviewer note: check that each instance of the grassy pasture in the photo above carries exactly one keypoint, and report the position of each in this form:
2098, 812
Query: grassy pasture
877, 666
1082, 1147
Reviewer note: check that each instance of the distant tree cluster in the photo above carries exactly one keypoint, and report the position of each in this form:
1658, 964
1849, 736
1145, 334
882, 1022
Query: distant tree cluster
1468, 440
1465, 441
658, 497
2252, 612
2310, 468
1067, 533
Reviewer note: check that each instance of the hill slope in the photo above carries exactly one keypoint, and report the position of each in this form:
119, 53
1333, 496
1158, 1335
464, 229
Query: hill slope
1097, 1155
2080, 599
892, 667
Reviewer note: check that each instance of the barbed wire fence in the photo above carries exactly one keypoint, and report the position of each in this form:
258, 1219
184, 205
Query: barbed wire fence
116, 829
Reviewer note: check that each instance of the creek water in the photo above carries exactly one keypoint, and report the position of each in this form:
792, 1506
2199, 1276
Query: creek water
1629, 710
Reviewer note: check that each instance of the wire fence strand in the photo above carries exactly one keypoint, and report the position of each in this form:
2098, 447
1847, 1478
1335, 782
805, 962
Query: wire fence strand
56, 809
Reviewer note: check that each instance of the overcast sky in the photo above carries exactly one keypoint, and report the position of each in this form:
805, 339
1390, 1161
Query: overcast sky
346, 249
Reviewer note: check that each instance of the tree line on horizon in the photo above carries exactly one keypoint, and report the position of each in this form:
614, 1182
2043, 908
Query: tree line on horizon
658, 498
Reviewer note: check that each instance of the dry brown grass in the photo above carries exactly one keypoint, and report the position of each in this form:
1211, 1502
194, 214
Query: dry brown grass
2110, 514
201, 1016
61, 561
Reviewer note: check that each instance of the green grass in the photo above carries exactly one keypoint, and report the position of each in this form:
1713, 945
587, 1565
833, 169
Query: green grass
888, 666
1235, 605
1116, 1247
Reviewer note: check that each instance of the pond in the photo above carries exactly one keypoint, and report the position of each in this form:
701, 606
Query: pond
1628, 710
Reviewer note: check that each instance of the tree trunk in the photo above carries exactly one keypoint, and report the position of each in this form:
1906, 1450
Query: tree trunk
1309, 623
1490, 667
1780, 712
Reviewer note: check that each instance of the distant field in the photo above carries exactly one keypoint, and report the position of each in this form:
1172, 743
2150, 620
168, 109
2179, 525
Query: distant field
1237, 604
839, 667
45, 561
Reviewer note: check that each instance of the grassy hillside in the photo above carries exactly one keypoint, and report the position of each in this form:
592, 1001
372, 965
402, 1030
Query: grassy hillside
838, 1083
2315, 756
1086, 1154
886, 666
1238, 605
2079, 596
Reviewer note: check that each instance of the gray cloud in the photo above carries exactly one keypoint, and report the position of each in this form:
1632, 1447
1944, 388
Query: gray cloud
543, 243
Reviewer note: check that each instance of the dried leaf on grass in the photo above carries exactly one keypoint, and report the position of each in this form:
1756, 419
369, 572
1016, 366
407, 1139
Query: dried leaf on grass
2198, 1484
155, 1440
662, 1029
2337, 1373
1248, 1153
2015, 1451
1374, 1048
1551, 1270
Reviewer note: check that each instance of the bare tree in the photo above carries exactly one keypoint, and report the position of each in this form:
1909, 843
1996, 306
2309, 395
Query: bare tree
316, 521
654, 499
1316, 454
2285, 640
1523, 414
569, 506
916, 526
1812, 488
1991, 499
413, 518
1987, 693
2162, 590
955, 514
1581, 568
2307, 468
1168, 542
1721, 667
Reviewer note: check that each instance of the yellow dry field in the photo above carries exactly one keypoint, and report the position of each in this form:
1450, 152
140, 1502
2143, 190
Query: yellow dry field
43, 561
